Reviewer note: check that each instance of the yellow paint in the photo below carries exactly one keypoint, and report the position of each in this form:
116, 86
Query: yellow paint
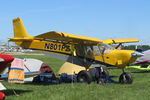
70, 68
122, 40
2, 52
119, 62
16, 74
59, 42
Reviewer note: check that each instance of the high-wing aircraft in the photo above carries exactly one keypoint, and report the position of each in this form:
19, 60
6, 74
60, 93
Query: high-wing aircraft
5, 61
142, 62
79, 50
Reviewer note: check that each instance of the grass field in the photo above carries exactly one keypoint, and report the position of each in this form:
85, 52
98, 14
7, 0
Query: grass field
139, 90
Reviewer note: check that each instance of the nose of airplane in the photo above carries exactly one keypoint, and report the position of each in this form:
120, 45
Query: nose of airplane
6, 58
4, 61
137, 54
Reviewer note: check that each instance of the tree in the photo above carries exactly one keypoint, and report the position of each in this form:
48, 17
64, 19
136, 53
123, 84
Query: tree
133, 47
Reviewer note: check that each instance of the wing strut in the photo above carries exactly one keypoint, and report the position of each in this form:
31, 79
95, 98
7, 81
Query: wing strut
118, 45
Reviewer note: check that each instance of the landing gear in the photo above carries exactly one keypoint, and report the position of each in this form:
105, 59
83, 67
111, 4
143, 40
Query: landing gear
84, 76
125, 78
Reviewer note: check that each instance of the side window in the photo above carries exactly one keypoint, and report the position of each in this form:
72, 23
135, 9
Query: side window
92, 50
96, 51
105, 48
89, 50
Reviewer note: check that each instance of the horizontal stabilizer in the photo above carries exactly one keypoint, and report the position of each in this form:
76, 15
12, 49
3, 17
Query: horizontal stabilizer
21, 39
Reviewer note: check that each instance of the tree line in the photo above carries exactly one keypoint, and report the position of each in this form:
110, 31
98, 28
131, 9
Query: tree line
133, 47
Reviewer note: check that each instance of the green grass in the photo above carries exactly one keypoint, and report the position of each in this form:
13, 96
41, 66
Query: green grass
139, 90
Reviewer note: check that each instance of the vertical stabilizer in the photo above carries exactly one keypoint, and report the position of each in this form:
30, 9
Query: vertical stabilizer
19, 29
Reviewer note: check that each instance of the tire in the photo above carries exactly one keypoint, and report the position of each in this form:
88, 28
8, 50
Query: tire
84, 76
125, 78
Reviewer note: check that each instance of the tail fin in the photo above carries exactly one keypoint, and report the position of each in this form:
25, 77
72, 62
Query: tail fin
20, 34
19, 29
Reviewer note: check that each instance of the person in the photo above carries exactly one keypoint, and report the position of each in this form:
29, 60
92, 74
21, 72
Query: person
102, 78
2, 96
98, 75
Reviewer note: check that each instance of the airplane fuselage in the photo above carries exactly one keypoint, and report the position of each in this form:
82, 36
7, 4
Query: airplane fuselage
119, 58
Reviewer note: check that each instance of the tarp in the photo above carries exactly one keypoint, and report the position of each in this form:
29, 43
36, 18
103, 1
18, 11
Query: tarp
70, 68
23, 68
16, 73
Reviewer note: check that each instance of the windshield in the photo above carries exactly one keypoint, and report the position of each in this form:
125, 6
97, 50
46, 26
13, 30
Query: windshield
105, 48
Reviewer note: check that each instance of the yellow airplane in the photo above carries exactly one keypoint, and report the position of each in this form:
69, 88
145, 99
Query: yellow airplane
79, 50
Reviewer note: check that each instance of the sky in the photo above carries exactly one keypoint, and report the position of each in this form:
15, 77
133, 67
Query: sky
100, 19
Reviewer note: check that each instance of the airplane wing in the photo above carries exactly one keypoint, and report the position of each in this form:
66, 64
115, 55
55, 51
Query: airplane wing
121, 40
59, 36
67, 37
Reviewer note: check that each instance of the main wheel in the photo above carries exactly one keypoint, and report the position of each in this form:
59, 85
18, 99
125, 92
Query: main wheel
125, 78
84, 76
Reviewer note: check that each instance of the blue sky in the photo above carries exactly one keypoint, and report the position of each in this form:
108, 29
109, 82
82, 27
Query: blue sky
100, 19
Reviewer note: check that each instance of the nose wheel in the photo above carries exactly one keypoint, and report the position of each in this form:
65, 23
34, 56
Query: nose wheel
125, 78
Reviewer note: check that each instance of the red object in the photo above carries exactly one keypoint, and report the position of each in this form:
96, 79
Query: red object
45, 68
2, 96
102, 80
4, 61
142, 62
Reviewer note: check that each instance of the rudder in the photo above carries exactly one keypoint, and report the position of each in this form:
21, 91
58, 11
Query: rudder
19, 29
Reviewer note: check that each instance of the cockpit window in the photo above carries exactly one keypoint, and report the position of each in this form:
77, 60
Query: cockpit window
96, 50
92, 50
105, 48
89, 50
